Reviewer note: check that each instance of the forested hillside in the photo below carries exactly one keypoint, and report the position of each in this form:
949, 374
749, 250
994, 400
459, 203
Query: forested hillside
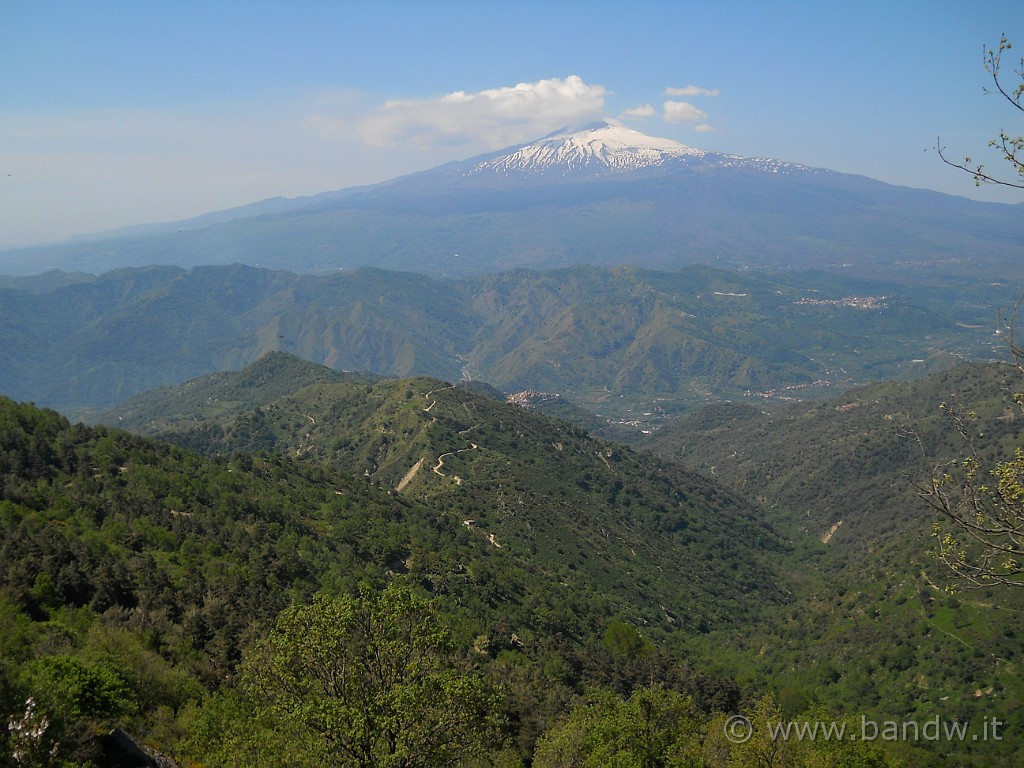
857, 458
883, 624
536, 440
137, 576
862, 623
531, 485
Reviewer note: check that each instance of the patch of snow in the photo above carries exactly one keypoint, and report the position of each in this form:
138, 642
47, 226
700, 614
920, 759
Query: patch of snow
604, 149
598, 147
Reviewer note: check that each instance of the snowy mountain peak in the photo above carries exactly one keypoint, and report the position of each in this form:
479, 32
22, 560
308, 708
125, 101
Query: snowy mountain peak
600, 148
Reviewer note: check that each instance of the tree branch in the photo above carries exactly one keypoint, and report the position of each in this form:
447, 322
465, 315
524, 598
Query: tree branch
1011, 147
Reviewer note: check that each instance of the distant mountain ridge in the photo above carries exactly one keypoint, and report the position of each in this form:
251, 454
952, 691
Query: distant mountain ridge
605, 196
621, 342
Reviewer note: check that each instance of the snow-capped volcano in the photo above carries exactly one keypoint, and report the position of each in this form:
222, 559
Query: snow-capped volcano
603, 194
599, 148
603, 150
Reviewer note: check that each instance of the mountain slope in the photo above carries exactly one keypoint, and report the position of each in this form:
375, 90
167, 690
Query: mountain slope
104, 340
879, 630
136, 573
852, 461
532, 486
605, 196
865, 628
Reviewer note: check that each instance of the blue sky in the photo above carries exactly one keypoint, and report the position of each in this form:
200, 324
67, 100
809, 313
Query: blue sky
119, 113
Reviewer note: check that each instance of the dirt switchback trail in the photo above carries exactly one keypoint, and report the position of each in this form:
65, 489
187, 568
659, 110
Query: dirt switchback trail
440, 462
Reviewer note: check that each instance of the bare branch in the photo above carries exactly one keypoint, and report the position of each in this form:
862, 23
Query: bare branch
1011, 147
977, 171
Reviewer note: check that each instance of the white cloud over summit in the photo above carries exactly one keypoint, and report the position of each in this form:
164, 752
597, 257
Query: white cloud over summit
492, 118
496, 117
682, 112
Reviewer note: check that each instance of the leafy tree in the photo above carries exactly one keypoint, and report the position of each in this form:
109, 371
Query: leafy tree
370, 681
71, 700
76, 690
624, 640
761, 745
1011, 147
763, 737
654, 727
984, 504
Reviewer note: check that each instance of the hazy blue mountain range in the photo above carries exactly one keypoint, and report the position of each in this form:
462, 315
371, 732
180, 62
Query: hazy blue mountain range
605, 195
622, 342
